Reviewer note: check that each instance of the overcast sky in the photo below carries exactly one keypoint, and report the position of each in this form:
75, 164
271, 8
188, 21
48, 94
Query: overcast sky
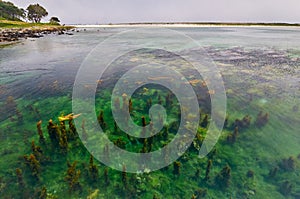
122, 11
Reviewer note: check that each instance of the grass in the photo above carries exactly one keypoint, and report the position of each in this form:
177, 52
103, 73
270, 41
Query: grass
8, 24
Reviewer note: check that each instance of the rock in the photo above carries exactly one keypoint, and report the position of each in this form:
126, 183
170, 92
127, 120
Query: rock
11, 35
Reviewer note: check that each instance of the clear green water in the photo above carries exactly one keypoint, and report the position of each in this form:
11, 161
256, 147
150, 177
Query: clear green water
260, 68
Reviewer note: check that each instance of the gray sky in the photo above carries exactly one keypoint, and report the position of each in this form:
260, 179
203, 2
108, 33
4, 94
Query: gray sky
122, 11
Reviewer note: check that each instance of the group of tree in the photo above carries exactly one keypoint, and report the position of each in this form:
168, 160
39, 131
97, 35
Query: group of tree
34, 12
9, 11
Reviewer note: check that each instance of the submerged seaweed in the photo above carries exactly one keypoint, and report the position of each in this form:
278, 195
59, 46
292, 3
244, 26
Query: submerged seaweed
251, 160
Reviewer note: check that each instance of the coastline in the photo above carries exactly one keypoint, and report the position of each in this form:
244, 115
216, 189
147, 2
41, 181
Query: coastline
13, 35
185, 25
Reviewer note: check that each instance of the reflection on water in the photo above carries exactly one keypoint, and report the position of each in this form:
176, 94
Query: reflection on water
260, 68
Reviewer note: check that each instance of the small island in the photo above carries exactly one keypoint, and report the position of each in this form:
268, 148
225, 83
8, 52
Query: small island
17, 23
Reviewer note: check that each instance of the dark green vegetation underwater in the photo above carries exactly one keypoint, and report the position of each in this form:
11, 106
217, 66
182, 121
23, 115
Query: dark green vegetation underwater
254, 158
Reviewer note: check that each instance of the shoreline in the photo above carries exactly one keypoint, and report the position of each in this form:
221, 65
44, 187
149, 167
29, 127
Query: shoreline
10, 36
185, 25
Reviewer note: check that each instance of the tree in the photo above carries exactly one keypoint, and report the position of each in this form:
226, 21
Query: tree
9, 11
35, 13
54, 20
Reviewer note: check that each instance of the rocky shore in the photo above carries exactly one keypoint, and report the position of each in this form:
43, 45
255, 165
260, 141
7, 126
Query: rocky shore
15, 34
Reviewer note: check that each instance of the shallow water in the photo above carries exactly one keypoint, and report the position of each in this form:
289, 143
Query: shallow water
260, 68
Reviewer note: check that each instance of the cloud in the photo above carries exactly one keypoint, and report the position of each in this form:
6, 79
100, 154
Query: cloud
121, 11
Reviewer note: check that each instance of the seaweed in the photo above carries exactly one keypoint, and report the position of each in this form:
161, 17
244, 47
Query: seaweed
20, 178
250, 174
262, 119
43, 193
63, 142
101, 120
205, 121
232, 138
223, 178
208, 168
40, 133
243, 123
106, 177
288, 164
273, 172
54, 133
34, 165
176, 168
93, 170
124, 176
72, 178
286, 188
200, 193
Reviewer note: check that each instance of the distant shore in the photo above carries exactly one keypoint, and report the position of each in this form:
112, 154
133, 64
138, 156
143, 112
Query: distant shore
189, 24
